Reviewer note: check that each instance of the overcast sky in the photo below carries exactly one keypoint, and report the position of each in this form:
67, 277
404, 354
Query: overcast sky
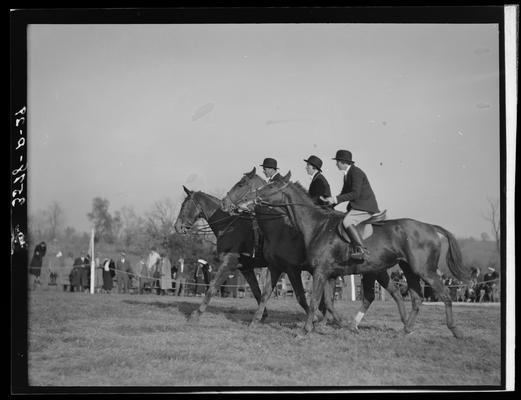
131, 113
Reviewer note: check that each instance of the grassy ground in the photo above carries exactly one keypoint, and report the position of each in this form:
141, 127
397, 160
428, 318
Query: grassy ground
77, 339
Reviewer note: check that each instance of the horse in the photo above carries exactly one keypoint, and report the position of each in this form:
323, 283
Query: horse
235, 242
412, 244
235, 246
290, 253
148, 276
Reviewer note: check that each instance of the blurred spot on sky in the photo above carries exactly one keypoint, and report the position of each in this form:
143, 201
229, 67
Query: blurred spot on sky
202, 111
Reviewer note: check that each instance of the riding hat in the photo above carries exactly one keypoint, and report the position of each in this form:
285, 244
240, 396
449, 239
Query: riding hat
269, 163
201, 261
315, 161
343, 155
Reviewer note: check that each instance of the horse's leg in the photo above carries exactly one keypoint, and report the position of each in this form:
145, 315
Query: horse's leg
413, 283
272, 278
367, 282
444, 295
388, 284
328, 301
296, 282
249, 275
319, 280
329, 290
229, 263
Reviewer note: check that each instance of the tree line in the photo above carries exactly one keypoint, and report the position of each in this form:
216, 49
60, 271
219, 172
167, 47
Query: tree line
122, 229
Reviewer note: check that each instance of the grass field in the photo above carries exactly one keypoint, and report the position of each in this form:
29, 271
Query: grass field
78, 339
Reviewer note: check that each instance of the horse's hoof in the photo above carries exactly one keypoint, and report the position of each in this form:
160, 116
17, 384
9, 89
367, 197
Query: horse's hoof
264, 316
352, 327
458, 334
407, 331
301, 334
194, 316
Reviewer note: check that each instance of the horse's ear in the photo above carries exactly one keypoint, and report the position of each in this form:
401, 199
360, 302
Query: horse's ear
250, 174
188, 191
287, 177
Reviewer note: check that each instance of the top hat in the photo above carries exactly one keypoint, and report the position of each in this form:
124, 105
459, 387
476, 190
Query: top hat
343, 155
315, 161
269, 163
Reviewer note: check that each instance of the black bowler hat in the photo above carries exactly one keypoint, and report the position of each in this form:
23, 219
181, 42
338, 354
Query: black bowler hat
343, 155
269, 163
315, 161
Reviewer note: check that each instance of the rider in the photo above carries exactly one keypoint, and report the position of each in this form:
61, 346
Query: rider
319, 187
362, 202
269, 167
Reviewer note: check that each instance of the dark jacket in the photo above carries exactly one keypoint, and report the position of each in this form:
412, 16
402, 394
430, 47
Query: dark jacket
358, 192
319, 187
275, 178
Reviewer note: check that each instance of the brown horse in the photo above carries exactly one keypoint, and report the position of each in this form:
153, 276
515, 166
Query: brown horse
282, 247
412, 244
235, 248
286, 250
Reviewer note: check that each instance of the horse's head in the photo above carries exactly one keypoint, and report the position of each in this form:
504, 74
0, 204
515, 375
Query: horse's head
269, 193
189, 213
249, 182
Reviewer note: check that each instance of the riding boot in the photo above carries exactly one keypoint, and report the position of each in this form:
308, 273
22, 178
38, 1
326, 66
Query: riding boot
359, 252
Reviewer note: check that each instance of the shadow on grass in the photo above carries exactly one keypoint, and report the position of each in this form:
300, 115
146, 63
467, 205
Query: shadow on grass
276, 318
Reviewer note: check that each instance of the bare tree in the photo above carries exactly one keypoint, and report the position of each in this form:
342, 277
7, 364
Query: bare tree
55, 218
37, 225
493, 216
160, 220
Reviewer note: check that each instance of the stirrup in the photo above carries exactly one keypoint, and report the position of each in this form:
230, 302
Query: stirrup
359, 253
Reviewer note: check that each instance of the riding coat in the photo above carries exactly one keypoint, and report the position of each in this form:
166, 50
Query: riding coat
358, 192
319, 187
275, 178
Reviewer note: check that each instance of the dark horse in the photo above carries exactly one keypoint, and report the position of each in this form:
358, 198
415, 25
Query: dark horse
235, 242
235, 247
412, 244
286, 249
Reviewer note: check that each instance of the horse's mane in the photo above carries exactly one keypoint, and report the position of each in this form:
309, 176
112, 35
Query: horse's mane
209, 196
316, 207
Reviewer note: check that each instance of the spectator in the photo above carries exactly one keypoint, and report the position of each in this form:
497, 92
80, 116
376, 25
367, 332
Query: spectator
35, 266
453, 289
64, 273
83, 265
180, 278
75, 276
202, 274
108, 274
166, 274
490, 280
123, 269
55, 266
98, 274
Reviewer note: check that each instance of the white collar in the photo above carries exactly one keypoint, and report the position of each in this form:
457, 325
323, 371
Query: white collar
347, 169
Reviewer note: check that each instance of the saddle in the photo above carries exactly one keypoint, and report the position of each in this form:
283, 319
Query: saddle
364, 228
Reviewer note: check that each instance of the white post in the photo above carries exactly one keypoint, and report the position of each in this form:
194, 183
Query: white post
353, 288
92, 263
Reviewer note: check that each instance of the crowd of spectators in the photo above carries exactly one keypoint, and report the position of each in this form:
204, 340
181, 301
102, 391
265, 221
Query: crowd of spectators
181, 278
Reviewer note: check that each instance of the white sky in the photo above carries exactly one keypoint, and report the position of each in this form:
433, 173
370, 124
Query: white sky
132, 112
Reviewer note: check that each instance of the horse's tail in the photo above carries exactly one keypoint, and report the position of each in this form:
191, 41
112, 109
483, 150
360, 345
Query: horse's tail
454, 257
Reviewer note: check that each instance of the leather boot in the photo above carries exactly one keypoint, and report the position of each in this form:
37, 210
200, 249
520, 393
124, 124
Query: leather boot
359, 252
